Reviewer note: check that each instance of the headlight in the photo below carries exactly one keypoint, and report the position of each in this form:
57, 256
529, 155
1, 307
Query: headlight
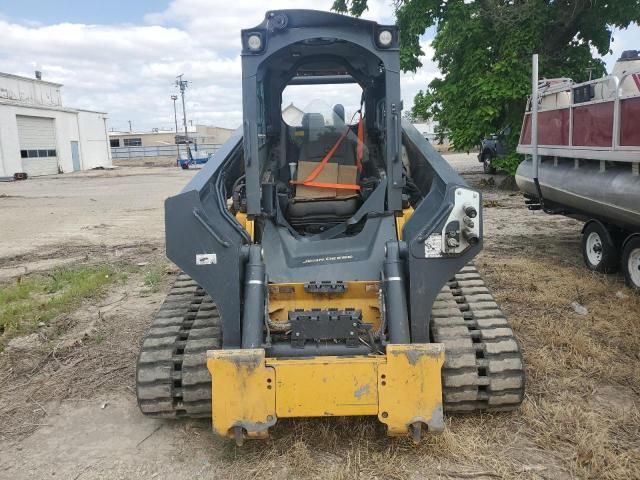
385, 37
254, 42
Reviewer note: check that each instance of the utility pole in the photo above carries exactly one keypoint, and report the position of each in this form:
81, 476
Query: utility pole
129, 126
175, 118
175, 113
182, 84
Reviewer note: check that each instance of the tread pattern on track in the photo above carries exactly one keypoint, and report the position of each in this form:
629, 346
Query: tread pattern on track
483, 368
172, 379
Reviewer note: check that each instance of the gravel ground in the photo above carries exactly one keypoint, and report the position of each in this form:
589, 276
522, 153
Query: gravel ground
101, 207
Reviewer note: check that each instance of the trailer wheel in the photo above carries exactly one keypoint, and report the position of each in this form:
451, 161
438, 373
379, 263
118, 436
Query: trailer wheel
631, 263
598, 248
486, 163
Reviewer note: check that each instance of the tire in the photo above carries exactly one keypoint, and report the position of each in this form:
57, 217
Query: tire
631, 263
599, 251
185, 166
486, 163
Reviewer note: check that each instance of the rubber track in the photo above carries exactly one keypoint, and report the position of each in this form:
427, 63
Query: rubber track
483, 369
172, 379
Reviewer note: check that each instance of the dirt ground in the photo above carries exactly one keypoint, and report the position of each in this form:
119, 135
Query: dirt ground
105, 208
68, 408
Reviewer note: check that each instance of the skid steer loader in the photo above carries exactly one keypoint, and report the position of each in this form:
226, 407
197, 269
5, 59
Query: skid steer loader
327, 261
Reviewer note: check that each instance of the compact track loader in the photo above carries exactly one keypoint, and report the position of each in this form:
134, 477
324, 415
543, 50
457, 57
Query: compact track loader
327, 261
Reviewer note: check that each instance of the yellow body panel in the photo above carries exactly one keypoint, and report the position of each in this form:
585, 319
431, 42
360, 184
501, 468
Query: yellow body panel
410, 387
326, 386
400, 221
401, 388
247, 224
244, 395
286, 297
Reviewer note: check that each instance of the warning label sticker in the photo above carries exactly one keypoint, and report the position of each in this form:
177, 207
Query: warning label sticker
206, 259
433, 246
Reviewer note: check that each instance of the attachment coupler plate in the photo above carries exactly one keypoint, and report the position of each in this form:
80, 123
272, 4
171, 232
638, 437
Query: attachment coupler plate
402, 388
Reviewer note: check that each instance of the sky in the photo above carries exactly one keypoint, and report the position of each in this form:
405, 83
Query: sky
122, 57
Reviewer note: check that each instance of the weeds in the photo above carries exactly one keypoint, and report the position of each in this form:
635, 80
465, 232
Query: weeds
38, 298
153, 275
492, 204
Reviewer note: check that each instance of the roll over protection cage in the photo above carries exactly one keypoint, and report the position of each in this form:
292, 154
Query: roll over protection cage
198, 221
282, 29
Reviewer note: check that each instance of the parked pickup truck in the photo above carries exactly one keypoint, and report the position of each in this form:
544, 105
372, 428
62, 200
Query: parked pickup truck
491, 147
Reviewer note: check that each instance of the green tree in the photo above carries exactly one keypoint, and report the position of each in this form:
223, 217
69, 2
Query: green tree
483, 49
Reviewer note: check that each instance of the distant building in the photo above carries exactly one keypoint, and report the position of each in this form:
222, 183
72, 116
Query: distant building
201, 134
159, 147
428, 129
40, 136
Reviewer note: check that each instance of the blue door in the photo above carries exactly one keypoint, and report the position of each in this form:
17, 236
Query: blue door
75, 156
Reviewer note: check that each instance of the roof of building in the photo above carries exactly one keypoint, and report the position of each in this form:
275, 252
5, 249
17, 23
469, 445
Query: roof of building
29, 79
58, 108
291, 106
219, 128
159, 132
190, 129
61, 108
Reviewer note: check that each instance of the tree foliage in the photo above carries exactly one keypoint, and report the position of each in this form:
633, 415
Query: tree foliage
483, 49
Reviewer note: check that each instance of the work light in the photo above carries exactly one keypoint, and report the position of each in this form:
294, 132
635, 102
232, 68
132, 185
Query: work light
385, 37
254, 42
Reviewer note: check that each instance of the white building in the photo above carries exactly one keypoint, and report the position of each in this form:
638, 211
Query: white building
428, 129
39, 136
202, 134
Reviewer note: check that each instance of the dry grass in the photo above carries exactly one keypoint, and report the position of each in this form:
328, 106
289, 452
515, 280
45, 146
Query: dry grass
79, 354
492, 204
580, 418
583, 371
356, 448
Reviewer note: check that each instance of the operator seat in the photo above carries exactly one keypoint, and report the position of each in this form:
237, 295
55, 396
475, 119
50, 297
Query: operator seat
338, 114
313, 144
345, 155
318, 140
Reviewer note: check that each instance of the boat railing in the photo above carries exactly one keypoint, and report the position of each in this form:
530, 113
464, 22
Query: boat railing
631, 79
548, 86
591, 115
608, 89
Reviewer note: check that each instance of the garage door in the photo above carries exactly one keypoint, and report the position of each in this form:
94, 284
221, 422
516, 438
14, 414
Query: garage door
37, 137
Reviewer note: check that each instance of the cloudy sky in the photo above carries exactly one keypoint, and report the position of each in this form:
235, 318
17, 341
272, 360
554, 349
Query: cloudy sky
122, 56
